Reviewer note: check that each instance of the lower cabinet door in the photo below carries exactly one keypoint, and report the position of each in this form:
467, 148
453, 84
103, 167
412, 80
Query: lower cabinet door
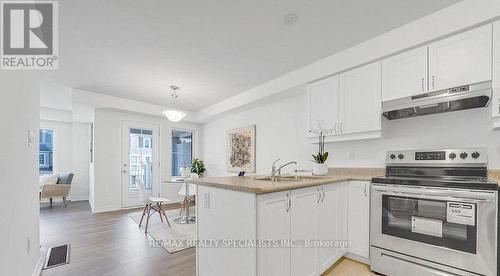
328, 254
342, 211
359, 218
304, 214
332, 224
273, 223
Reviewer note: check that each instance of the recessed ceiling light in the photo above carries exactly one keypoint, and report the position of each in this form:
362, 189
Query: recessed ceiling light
290, 19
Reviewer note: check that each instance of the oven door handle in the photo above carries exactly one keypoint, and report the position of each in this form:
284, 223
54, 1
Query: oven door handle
457, 198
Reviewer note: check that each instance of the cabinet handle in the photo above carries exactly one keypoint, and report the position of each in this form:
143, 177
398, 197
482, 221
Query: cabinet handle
323, 191
288, 203
366, 192
433, 82
336, 128
423, 85
319, 196
341, 127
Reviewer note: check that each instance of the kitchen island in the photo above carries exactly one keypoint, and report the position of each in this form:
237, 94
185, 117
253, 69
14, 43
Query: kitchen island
296, 226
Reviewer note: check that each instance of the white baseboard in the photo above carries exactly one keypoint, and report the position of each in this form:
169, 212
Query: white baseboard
104, 209
357, 258
78, 198
39, 264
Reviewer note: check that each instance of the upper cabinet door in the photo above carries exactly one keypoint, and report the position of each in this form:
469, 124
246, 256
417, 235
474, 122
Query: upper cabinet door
495, 106
461, 59
323, 103
496, 55
405, 74
360, 99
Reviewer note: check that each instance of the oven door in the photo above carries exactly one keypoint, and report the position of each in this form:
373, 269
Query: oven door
453, 227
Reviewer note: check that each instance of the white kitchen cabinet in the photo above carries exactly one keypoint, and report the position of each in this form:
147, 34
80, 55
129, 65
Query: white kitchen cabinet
495, 103
332, 223
336, 103
308, 214
224, 215
461, 59
359, 218
303, 227
323, 100
405, 74
496, 55
273, 213
360, 99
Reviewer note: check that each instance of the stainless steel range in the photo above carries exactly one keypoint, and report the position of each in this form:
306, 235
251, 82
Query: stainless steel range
434, 213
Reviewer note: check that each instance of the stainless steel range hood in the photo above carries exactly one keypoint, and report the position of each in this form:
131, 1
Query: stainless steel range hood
458, 98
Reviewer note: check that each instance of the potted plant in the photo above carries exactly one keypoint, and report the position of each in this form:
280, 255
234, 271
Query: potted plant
197, 168
320, 167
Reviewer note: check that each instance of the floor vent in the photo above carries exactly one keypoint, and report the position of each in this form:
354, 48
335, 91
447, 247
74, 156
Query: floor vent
57, 256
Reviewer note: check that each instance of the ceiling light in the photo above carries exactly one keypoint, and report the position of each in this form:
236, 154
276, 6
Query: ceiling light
173, 114
290, 19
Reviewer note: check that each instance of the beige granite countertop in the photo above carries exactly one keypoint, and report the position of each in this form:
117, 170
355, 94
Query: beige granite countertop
494, 175
250, 185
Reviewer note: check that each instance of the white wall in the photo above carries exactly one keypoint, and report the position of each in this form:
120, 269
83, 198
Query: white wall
107, 156
281, 133
80, 160
19, 217
71, 154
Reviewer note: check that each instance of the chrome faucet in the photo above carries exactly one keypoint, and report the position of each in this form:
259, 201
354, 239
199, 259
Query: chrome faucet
276, 172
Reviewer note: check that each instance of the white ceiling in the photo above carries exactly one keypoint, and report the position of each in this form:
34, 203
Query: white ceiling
211, 49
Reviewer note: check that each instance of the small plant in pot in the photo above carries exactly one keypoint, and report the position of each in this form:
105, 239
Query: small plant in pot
320, 167
197, 168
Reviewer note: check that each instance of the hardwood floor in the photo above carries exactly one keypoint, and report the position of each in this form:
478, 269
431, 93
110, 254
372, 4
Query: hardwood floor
107, 244
111, 244
348, 267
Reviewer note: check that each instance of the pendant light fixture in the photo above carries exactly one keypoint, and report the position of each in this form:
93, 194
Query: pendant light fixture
173, 114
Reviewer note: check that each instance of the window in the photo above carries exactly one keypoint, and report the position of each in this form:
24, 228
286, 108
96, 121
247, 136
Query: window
46, 155
141, 154
182, 150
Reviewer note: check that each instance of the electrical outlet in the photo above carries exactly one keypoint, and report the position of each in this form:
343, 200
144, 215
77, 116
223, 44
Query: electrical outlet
28, 245
352, 154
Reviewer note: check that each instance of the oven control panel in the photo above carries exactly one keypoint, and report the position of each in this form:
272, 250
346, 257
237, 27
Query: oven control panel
430, 155
447, 156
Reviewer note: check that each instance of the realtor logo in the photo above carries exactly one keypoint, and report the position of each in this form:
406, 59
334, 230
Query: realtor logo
29, 35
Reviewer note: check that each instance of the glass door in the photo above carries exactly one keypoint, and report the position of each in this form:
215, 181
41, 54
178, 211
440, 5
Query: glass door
138, 161
182, 150
437, 222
